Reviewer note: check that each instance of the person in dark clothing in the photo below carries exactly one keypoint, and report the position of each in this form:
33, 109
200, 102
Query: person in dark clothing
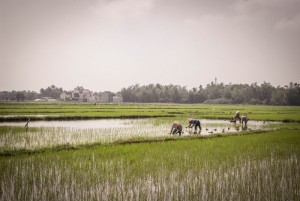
176, 128
27, 124
245, 119
194, 123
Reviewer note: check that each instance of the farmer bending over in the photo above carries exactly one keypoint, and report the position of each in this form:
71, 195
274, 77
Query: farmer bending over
245, 119
194, 122
176, 128
236, 117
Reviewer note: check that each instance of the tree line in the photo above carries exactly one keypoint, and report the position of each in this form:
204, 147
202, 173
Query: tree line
213, 93
26, 95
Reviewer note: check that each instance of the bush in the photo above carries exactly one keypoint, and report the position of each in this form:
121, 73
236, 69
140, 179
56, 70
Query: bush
218, 101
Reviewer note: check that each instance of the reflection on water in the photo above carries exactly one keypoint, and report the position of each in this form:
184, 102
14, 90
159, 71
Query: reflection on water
80, 124
54, 133
146, 126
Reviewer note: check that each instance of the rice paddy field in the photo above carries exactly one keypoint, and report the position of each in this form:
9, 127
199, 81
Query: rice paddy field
125, 152
62, 110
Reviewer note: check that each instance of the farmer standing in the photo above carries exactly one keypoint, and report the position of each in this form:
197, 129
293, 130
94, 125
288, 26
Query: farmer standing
27, 124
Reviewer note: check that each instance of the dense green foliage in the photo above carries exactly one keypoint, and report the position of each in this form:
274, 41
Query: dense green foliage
27, 95
48, 111
215, 93
18, 95
52, 92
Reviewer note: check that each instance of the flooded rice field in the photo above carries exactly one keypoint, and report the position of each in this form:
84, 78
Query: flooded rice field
53, 133
145, 126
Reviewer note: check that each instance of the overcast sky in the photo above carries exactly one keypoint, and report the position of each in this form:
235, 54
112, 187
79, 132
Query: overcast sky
111, 44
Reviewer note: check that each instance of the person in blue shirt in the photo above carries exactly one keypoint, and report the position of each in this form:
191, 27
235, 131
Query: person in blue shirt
194, 123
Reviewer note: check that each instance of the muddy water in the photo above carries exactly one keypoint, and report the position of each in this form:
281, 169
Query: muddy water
147, 126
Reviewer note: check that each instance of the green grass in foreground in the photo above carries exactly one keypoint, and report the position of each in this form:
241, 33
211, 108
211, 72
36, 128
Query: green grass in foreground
61, 110
261, 166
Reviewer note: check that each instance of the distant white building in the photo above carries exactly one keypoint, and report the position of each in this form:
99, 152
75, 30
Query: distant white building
45, 99
65, 96
88, 96
76, 95
85, 95
106, 97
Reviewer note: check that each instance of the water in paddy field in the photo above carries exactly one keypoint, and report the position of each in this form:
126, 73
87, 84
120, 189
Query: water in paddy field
151, 126
54, 133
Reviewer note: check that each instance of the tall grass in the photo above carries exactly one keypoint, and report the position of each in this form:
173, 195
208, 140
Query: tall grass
268, 179
251, 167
39, 138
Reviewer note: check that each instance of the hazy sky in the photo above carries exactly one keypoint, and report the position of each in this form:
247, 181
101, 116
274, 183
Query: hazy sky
110, 44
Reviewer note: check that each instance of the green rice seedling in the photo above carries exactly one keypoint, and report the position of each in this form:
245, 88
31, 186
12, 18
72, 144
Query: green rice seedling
246, 167
75, 133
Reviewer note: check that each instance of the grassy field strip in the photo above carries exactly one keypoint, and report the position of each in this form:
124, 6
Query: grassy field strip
245, 167
21, 111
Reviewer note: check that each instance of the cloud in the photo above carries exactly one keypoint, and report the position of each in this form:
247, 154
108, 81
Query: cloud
292, 24
276, 7
269, 14
252, 5
191, 21
118, 9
